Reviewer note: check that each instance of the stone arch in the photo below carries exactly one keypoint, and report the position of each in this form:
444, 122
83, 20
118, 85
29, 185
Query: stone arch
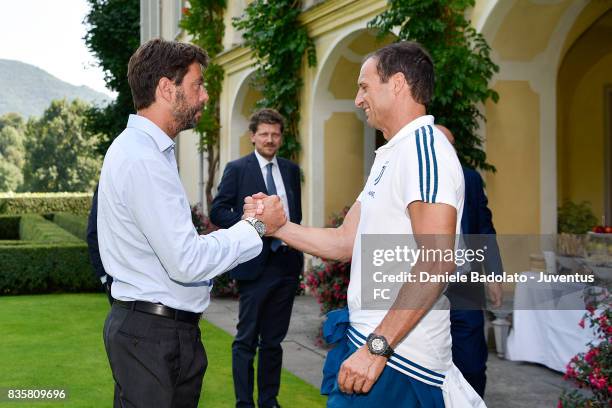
584, 87
243, 103
341, 143
529, 40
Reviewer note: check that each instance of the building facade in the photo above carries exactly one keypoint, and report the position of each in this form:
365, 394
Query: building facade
549, 135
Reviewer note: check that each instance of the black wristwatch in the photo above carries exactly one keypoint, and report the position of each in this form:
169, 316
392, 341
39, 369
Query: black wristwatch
378, 345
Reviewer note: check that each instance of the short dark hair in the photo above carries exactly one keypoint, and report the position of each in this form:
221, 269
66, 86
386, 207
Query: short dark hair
157, 59
412, 60
269, 116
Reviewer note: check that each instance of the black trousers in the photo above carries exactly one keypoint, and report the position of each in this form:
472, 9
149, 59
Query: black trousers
263, 320
156, 361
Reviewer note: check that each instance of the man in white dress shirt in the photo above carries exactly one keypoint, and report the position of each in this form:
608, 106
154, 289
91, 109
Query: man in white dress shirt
161, 267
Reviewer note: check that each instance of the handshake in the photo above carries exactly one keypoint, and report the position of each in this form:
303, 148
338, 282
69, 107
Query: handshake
268, 209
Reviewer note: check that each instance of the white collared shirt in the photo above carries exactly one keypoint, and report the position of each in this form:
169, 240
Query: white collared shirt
417, 164
148, 243
278, 179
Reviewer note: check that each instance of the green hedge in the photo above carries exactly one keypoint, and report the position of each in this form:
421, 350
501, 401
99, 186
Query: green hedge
42, 203
9, 227
28, 269
47, 258
34, 227
75, 224
14, 242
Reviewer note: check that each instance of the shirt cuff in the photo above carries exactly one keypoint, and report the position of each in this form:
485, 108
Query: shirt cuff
249, 241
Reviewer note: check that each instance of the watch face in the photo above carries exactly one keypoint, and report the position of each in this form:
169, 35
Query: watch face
378, 345
260, 227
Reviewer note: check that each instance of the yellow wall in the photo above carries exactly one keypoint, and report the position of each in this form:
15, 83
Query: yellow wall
188, 157
343, 82
527, 29
584, 73
343, 161
250, 99
592, 11
246, 146
248, 105
367, 42
513, 146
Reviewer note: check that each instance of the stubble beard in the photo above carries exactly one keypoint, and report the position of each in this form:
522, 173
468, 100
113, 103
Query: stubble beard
185, 116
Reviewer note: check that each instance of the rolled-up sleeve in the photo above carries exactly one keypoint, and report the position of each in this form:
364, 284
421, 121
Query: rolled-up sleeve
160, 210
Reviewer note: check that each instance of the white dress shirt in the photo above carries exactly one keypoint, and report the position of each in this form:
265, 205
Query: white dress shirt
148, 243
278, 180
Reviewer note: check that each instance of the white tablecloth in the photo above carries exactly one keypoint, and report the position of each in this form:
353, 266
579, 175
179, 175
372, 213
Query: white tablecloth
548, 337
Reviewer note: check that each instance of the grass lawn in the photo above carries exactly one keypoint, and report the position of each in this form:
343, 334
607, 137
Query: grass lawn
55, 341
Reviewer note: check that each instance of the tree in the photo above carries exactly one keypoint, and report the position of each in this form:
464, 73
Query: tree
113, 34
271, 29
204, 22
60, 150
462, 63
12, 151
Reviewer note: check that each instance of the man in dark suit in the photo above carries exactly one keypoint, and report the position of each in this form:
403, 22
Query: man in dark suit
267, 284
467, 300
94, 250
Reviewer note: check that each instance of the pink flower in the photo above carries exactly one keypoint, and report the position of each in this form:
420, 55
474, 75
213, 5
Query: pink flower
591, 354
570, 372
597, 382
581, 323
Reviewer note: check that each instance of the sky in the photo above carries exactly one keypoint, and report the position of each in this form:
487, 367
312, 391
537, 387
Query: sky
49, 34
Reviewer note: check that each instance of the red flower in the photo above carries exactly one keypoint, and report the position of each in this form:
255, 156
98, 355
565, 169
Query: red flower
581, 323
591, 354
186, 11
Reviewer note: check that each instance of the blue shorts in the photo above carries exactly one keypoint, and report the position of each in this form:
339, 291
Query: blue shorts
392, 389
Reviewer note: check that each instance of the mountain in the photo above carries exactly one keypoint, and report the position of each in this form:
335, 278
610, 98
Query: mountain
28, 90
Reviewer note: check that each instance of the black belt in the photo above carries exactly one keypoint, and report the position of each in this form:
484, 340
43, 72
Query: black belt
160, 310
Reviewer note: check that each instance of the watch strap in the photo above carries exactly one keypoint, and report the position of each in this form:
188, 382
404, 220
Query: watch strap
386, 352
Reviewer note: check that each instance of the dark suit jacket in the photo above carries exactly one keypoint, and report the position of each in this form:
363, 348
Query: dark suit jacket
478, 220
242, 178
92, 238
478, 232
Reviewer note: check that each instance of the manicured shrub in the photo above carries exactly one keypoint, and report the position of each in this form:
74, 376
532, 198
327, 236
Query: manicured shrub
9, 227
42, 203
14, 242
46, 258
30, 268
34, 227
75, 224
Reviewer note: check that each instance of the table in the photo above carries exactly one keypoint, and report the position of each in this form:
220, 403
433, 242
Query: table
549, 337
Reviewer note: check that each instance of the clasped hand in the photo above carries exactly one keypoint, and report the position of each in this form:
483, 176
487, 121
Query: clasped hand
268, 209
